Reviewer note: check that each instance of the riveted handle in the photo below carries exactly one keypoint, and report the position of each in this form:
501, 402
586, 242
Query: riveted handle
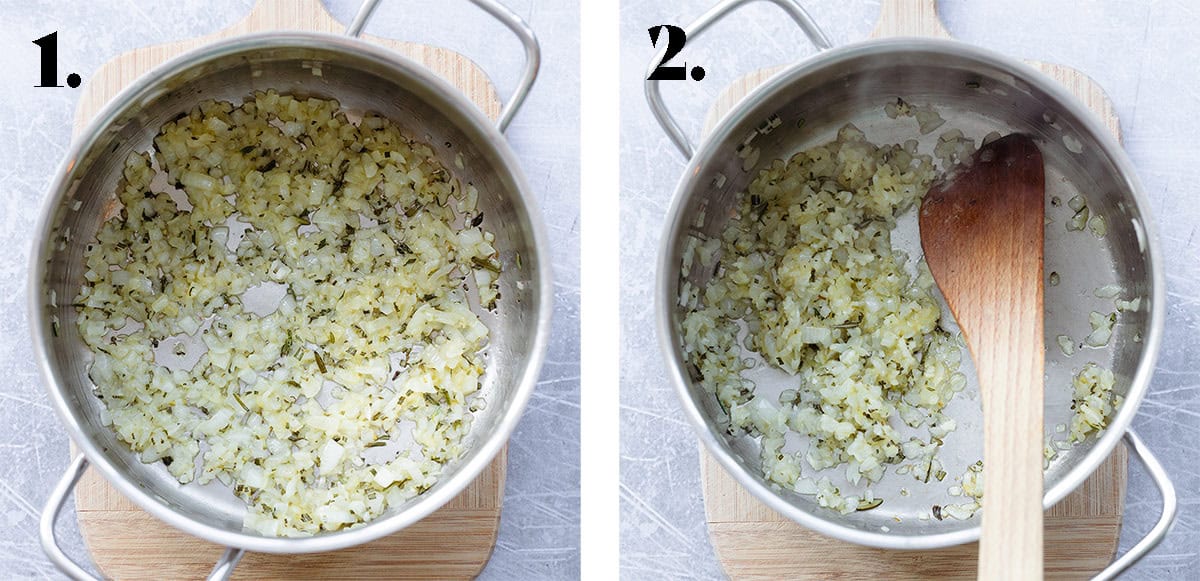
1170, 509
54, 506
518, 26
654, 96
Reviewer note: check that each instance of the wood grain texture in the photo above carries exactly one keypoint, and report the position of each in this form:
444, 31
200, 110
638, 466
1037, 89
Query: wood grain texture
909, 18
752, 541
981, 232
455, 542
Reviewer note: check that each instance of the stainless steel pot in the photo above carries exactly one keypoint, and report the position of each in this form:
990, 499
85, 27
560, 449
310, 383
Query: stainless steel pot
977, 91
362, 77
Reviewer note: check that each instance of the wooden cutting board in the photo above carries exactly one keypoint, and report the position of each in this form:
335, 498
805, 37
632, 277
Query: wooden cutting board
754, 542
454, 542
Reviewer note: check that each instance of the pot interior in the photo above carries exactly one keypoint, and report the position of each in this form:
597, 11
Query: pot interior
302, 65
977, 94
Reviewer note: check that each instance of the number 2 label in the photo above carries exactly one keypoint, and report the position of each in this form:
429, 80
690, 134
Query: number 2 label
676, 38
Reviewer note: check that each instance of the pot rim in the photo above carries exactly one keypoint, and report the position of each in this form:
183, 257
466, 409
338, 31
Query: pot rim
401, 66
781, 81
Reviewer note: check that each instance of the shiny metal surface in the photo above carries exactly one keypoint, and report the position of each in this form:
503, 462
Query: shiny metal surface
54, 506
223, 570
976, 91
361, 18
1166, 520
722, 9
362, 77
533, 57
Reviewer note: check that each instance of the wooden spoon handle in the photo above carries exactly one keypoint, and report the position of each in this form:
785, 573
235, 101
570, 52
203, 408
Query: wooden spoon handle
1011, 542
982, 231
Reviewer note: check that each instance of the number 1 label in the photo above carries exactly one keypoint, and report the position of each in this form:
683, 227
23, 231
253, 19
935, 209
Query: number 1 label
49, 65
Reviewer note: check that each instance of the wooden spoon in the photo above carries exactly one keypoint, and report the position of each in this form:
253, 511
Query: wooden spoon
981, 229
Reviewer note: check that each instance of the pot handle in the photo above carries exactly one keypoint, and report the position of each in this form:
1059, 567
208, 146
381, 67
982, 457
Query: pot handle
518, 26
223, 570
1170, 510
654, 97
54, 506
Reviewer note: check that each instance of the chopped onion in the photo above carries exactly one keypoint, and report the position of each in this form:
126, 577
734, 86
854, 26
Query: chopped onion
1065, 343
372, 341
1098, 226
1102, 326
807, 269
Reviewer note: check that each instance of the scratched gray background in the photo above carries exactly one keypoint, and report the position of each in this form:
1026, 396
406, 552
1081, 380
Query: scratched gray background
539, 531
1143, 53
